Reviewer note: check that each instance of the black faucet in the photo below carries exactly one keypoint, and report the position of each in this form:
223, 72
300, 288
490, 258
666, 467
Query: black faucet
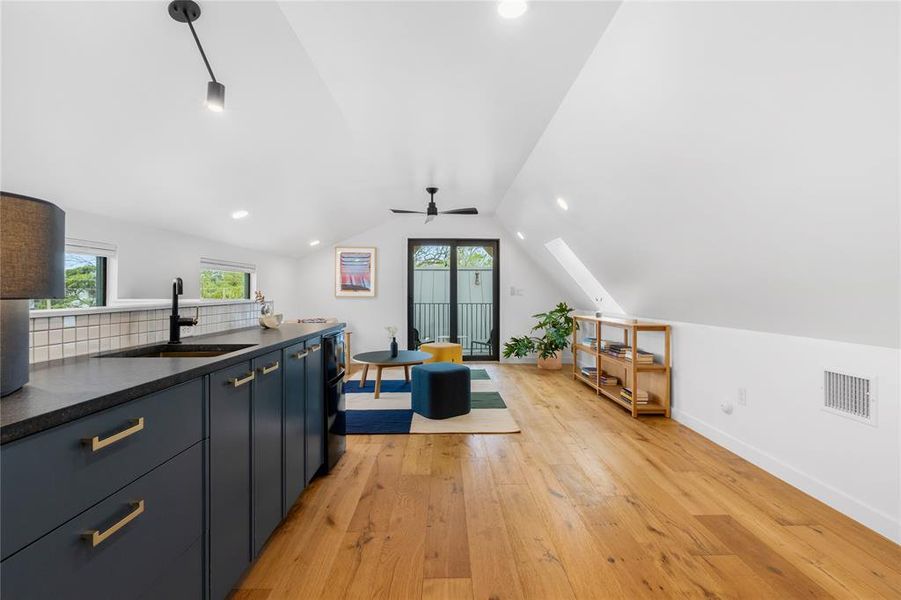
175, 321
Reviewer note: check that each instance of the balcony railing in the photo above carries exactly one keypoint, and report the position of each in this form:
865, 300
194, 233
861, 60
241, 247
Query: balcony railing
474, 324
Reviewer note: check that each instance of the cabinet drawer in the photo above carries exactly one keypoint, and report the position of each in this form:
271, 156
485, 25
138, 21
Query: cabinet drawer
48, 478
136, 533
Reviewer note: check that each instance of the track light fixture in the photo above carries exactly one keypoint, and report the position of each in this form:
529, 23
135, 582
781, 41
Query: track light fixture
188, 11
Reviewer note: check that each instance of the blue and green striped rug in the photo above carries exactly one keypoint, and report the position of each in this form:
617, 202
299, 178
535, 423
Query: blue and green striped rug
391, 412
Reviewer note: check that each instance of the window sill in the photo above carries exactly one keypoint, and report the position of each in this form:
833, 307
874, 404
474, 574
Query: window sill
131, 305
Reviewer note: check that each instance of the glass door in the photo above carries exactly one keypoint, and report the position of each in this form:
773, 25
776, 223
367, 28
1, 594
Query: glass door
453, 295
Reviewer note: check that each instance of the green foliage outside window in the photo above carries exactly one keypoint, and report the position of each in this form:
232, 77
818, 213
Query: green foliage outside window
224, 285
85, 283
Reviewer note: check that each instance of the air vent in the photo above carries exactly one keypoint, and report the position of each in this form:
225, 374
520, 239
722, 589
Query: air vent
849, 396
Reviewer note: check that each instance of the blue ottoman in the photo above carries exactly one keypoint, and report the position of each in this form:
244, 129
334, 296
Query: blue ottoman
441, 390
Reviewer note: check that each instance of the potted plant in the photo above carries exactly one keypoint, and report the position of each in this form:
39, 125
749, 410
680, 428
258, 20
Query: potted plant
558, 328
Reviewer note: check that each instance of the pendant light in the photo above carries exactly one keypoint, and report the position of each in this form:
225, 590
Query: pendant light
188, 11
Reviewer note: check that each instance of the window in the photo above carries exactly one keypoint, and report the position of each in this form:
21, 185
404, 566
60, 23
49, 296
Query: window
223, 280
86, 276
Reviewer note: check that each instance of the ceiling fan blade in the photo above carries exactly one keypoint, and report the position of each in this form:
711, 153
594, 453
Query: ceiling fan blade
429, 219
461, 211
401, 211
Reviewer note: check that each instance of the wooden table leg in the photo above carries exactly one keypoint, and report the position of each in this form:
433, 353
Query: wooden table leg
407, 373
378, 381
363, 378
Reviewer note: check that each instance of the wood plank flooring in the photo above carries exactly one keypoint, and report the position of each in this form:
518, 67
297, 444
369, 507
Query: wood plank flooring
586, 502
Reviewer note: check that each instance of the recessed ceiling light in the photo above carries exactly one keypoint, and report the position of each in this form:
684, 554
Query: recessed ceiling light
239, 214
512, 9
520, 235
314, 243
562, 204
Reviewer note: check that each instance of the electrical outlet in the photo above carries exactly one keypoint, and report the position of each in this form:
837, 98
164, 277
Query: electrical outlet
726, 407
742, 397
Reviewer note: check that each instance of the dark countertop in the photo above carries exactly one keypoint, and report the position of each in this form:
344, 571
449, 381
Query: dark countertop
64, 390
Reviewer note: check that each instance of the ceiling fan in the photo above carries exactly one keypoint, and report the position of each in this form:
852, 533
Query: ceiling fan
432, 210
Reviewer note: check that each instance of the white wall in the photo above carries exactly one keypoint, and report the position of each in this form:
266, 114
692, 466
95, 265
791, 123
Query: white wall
368, 317
852, 466
148, 259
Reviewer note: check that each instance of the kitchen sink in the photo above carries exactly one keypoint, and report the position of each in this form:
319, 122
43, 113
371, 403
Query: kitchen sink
178, 351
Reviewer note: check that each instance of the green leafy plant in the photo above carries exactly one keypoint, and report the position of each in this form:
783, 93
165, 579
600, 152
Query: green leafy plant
557, 326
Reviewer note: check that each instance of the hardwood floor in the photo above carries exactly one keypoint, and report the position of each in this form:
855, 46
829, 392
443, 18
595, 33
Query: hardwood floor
584, 503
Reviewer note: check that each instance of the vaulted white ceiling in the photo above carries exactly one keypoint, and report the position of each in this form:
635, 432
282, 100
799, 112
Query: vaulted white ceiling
334, 111
730, 163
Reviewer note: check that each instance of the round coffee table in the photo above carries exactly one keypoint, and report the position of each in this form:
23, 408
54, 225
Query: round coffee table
382, 360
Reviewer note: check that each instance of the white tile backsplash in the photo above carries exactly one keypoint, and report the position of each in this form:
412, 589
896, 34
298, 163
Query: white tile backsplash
54, 338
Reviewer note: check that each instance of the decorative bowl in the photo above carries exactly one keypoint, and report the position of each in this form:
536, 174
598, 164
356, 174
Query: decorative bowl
272, 321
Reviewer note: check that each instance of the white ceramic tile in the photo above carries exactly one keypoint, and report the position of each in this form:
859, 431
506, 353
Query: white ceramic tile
69, 350
56, 352
94, 319
69, 335
81, 333
104, 331
69, 321
115, 317
40, 338
93, 332
105, 319
81, 348
40, 324
56, 323
81, 321
105, 343
41, 354
93, 346
55, 337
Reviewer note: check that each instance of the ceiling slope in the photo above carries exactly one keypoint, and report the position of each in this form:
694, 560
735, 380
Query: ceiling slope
334, 111
734, 164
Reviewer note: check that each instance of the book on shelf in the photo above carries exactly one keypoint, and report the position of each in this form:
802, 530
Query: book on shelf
606, 379
640, 398
590, 372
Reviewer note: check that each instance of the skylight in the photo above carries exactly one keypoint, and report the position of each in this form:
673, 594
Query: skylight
576, 269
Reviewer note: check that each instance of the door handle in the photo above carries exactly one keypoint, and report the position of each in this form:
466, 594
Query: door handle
97, 444
270, 368
98, 537
239, 381
315, 347
299, 355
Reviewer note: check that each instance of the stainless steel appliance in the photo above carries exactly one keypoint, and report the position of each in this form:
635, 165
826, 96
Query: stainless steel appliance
336, 428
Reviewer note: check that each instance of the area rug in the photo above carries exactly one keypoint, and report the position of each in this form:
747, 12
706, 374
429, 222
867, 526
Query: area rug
391, 413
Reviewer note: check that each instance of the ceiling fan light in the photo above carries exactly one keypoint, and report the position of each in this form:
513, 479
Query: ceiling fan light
520, 235
562, 204
215, 96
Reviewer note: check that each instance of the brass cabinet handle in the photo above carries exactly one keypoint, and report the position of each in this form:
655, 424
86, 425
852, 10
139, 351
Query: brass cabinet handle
96, 443
270, 368
315, 347
98, 537
239, 381
299, 355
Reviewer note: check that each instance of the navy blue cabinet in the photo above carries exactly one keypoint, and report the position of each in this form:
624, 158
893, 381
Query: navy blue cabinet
295, 361
267, 447
230, 472
315, 410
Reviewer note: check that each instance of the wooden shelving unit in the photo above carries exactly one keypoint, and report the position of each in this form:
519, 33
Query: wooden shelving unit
654, 377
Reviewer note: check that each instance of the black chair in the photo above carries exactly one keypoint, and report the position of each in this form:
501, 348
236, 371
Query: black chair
417, 342
489, 344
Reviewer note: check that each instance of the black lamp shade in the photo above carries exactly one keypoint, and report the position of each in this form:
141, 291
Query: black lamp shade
215, 96
32, 248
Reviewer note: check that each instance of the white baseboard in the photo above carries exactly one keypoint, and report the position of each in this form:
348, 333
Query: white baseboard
873, 518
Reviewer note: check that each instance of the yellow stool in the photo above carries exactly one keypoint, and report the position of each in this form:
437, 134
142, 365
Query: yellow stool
443, 352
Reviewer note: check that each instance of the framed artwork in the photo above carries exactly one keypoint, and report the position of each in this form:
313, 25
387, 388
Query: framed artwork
355, 272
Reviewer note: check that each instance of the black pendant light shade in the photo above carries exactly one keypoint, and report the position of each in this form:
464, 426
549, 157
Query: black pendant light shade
188, 11
215, 96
